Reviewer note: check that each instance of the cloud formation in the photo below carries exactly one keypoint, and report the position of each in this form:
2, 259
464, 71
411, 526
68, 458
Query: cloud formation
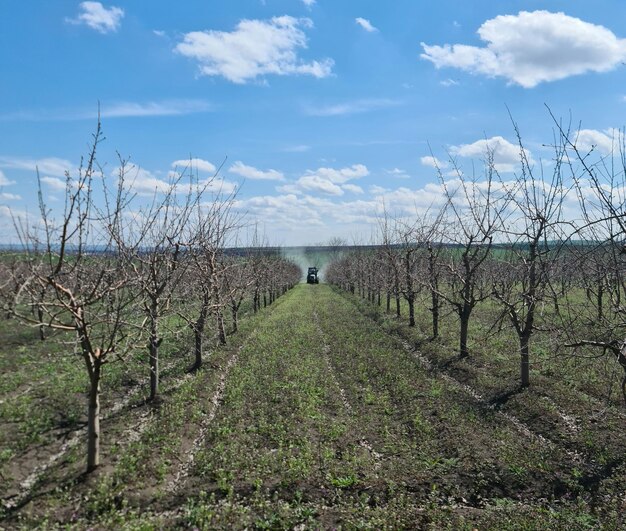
353, 188
398, 173
122, 109
4, 181
351, 107
533, 47
250, 172
144, 182
506, 156
604, 141
328, 181
254, 48
54, 182
315, 183
366, 25
195, 165
356, 171
98, 17
433, 162
154, 108
10, 197
51, 165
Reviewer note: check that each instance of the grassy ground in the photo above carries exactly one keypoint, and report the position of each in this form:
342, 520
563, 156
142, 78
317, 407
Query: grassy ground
322, 414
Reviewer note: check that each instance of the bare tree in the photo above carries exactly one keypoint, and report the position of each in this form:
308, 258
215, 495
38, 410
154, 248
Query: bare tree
78, 279
474, 211
532, 237
237, 281
213, 225
13, 273
392, 256
152, 243
597, 245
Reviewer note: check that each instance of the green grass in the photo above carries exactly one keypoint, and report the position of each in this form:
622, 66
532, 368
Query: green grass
327, 421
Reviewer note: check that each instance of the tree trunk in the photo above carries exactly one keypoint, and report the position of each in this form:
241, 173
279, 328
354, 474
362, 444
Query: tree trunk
234, 313
600, 300
464, 317
434, 286
411, 301
220, 326
435, 311
525, 360
42, 330
93, 419
198, 349
388, 301
154, 350
198, 331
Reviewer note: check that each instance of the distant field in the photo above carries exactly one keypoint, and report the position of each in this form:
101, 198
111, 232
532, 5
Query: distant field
319, 413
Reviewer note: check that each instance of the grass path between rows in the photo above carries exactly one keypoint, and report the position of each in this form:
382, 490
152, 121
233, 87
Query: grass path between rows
317, 418
328, 422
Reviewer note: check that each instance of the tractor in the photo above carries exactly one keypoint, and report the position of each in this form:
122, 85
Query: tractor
311, 277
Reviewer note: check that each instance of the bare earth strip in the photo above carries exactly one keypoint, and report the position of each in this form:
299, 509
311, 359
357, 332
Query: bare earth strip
26, 485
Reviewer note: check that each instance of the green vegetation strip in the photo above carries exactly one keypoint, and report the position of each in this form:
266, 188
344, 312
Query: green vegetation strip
284, 449
326, 421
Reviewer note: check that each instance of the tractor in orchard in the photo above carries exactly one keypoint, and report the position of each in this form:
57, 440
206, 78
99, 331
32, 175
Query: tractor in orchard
311, 277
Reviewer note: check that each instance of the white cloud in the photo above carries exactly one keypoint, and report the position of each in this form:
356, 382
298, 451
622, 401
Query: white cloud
4, 181
398, 173
154, 108
352, 188
405, 200
308, 3
356, 171
366, 24
329, 181
449, 82
145, 183
98, 17
10, 197
378, 190
352, 216
255, 48
603, 141
250, 172
533, 47
51, 165
283, 211
195, 165
434, 162
315, 183
351, 107
506, 156
123, 109
54, 182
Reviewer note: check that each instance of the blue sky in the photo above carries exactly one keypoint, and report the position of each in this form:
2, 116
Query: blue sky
323, 110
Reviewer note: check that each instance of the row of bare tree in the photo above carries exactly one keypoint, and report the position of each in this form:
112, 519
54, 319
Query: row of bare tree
116, 270
546, 248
